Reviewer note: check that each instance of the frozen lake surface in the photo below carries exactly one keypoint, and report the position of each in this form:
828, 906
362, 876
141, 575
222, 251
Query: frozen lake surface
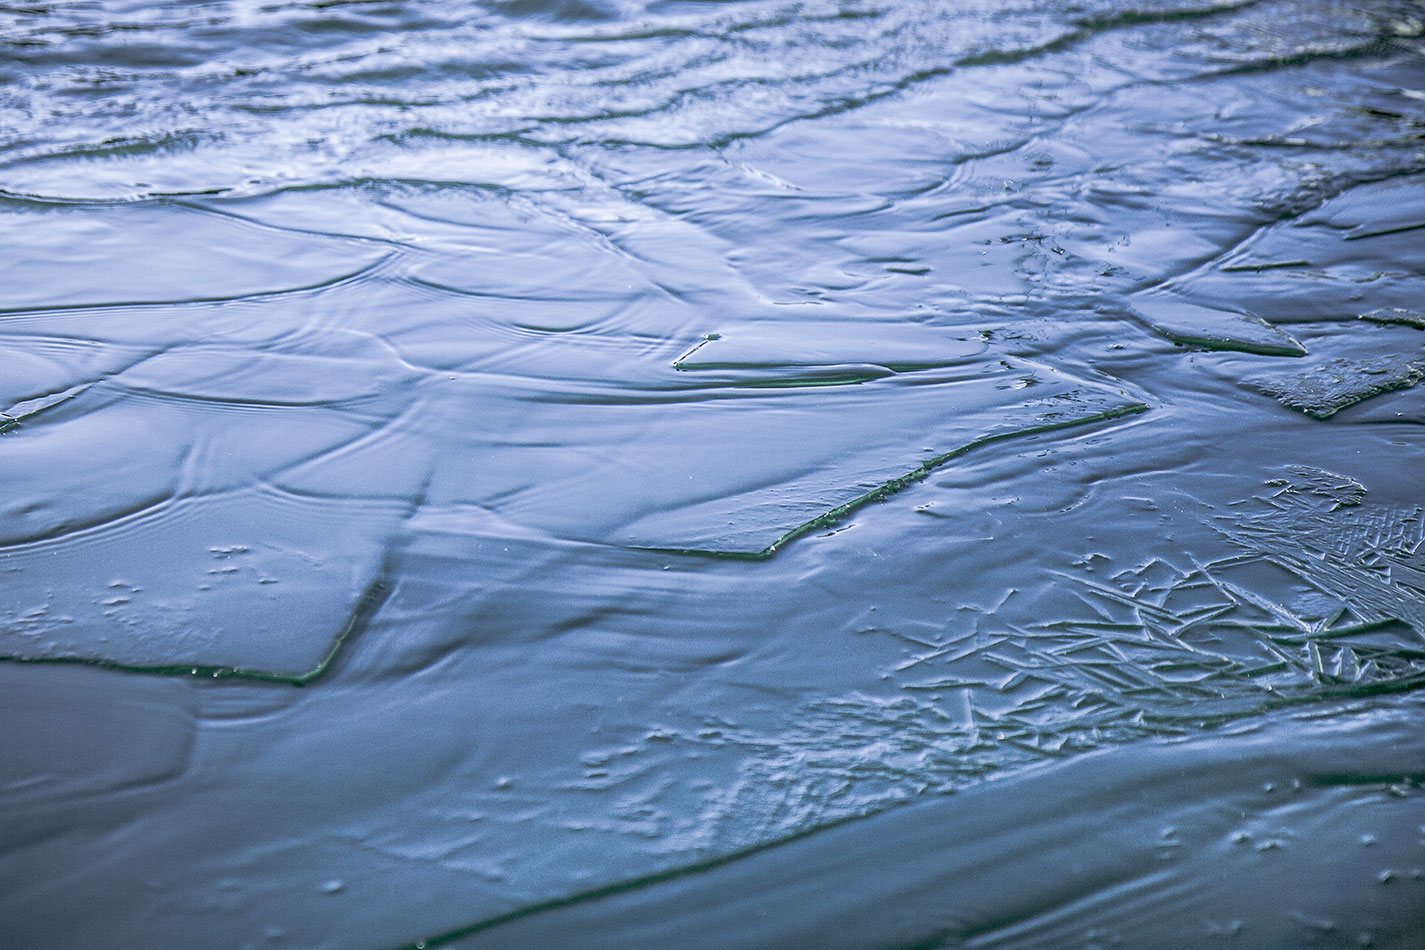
599, 473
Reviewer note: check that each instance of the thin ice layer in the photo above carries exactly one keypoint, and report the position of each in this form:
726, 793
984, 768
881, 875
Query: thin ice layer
1326, 389
1397, 315
816, 453
251, 582
190, 420
1360, 251
1345, 368
154, 252
1272, 824
1193, 324
140, 530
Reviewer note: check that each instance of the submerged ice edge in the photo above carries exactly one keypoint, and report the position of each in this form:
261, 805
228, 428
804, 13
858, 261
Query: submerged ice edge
366, 607
923, 470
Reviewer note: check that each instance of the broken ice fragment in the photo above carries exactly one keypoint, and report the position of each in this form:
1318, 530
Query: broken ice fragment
1191, 324
1351, 363
762, 467
188, 610
1330, 387
1409, 318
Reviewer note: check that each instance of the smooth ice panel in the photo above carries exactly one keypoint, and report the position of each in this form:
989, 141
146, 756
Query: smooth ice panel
251, 581
80, 256
1192, 324
734, 488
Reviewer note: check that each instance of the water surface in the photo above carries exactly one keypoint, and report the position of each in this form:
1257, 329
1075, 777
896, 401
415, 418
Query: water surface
749, 473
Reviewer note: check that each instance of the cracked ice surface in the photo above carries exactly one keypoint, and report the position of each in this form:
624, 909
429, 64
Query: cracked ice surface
1066, 357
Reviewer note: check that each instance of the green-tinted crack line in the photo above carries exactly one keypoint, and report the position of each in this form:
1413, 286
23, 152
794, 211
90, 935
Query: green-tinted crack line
621, 887
1268, 265
1382, 232
371, 600
884, 490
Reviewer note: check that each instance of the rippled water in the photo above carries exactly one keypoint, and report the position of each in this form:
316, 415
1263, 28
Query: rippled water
723, 474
